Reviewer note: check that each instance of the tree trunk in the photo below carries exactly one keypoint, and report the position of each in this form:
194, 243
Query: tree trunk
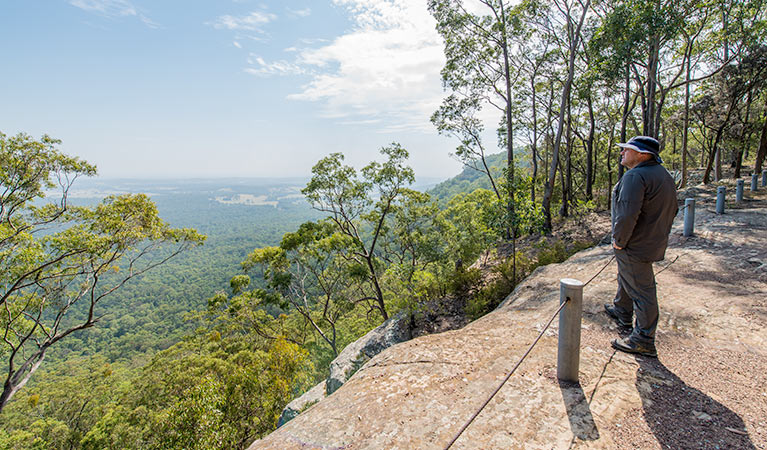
718, 150
673, 151
376, 286
569, 176
624, 119
563, 185
534, 144
743, 138
718, 158
549, 190
590, 151
18, 378
686, 123
762, 153
564, 209
649, 127
509, 147
610, 170
717, 141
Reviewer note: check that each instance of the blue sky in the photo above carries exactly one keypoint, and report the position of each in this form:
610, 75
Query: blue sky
216, 88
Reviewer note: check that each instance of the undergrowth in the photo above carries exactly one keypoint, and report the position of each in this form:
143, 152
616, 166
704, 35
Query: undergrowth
486, 290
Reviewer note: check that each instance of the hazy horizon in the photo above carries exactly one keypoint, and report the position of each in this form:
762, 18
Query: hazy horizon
212, 89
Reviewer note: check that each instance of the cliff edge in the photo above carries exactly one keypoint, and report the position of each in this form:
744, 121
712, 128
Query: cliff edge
706, 389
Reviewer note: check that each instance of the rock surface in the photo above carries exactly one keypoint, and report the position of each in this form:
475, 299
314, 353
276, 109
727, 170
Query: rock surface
359, 352
705, 391
294, 408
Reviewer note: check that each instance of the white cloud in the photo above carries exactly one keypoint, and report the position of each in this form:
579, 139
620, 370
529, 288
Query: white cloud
106, 7
262, 68
308, 41
385, 69
237, 44
306, 12
252, 22
113, 8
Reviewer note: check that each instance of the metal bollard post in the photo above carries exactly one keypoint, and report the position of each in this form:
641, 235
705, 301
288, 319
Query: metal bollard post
739, 191
689, 216
569, 348
720, 200
764, 177
754, 179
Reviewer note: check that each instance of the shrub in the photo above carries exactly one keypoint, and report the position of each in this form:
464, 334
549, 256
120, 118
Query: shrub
486, 293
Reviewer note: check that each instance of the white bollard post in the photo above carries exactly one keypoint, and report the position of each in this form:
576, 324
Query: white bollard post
754, 179
764, 177
569, 348
689, 216
720, 200
739, 191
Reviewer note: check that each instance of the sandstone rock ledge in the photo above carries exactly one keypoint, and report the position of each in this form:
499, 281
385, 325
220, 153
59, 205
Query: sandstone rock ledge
706, 390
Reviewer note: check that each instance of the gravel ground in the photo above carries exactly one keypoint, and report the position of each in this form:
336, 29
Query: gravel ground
695, 396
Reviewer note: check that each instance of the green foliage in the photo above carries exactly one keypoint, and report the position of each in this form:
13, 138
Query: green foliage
528, 215
204, 393
148, 314
362, 222
54, 256
308, 405
489, 290
237, 397
470, 224
320, 279
64, 403
486, 291
29, 167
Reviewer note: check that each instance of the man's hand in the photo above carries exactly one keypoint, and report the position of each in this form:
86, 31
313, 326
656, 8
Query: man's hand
615, 246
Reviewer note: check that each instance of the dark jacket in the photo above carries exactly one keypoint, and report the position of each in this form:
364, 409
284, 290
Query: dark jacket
643, 209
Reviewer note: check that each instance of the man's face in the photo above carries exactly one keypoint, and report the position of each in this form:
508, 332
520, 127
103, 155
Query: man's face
630, 157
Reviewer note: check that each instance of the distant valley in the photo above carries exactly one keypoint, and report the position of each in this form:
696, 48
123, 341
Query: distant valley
237, 215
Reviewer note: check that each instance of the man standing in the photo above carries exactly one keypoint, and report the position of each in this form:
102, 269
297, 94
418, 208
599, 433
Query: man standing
643, 208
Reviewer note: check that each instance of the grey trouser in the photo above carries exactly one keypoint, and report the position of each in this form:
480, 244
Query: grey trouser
636, 294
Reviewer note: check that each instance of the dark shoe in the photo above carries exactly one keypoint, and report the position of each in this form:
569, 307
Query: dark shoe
620, 319
629, 346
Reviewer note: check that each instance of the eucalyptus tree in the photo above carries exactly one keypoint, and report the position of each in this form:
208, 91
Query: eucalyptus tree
610, 114
563, 13
305, 274
647, 37
762, 151
587, 86
714, 36
696, 25
724, 95
458, 117
745, 34
359, 206
613, 51
479, 71
58, 261
536, 54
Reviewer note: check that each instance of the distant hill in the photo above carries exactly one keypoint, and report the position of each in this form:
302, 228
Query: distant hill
470, 179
